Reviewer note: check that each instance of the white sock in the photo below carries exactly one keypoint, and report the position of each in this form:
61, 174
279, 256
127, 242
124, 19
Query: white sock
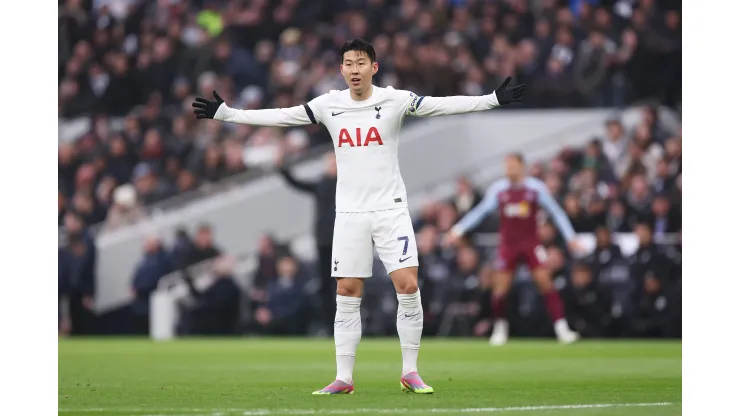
347, 334
409, 322
561, 325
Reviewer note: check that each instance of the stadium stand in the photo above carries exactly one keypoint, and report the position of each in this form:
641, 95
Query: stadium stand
128, 70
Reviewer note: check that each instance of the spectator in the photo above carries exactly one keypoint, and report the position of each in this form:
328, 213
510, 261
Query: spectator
648, 261
588, 305
323, 192
673, 153
125, 209
63, 287
592, 67
648, 150
149, 187
651, 316
676, 193
617, 219
466, 196
664, 218
638, 198
549, 235
557, 262
266, 268
595, 160
285, 309
596, 211
434, 272
664, 181
84, 205
216, 311
77, 274
181, 248
428, 215
554, 185
616, 147
462, 291
577, 216
204, 248
120, 161
446, 217
606, 252
155, 264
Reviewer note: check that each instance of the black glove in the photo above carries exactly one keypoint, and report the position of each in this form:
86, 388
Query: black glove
509, 95
207, 109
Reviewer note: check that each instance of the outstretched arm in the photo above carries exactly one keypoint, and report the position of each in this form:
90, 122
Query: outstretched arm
423, 106
558, 215
479, 212
301, 185
299, 115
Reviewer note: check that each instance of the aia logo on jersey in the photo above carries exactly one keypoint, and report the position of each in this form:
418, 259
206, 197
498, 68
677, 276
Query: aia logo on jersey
360, 139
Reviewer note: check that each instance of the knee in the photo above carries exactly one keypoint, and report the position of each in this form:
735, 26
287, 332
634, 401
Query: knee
501, 284
500, 291
545, 286
407, 287
349, 290
405, 280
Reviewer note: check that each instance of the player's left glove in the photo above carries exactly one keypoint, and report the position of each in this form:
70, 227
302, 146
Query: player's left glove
205, 108
506, 95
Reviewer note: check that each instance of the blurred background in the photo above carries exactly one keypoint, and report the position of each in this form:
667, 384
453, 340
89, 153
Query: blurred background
169, 227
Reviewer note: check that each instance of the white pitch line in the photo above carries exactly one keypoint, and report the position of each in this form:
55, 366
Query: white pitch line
268, 412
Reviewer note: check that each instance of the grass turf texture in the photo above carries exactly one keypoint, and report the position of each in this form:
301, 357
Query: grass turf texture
276, 376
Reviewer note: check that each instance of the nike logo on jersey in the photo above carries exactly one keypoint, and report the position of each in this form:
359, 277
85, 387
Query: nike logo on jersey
336, 114
401, 260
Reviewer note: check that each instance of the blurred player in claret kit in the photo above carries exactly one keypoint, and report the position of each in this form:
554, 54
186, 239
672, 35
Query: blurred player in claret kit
519, 197
364, 122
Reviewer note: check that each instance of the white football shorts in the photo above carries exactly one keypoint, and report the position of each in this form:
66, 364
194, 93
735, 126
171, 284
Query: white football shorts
355, 233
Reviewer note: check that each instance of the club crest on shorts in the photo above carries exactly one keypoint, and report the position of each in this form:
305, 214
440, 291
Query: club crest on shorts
336, 263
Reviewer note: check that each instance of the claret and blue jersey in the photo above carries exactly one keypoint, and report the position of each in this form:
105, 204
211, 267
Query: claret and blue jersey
518, 205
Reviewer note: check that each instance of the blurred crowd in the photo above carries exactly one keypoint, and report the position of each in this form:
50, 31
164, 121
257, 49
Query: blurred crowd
625, 181
133, 66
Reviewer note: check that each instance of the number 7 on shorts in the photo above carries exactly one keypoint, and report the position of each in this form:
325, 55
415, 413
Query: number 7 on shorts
405, 240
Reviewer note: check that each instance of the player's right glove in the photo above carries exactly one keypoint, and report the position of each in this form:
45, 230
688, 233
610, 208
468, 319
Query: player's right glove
207, 109
506, 95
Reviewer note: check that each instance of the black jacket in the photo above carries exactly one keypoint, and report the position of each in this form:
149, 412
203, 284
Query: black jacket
324, 192
588, 308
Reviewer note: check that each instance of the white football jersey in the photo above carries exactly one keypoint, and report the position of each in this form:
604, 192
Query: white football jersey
366, 136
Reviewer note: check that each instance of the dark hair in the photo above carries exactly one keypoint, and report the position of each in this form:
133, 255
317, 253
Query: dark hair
580, 265
644, 223
359, 45
518, 156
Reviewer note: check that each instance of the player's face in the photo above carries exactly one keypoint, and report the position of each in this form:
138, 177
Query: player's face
358, 70
514, 168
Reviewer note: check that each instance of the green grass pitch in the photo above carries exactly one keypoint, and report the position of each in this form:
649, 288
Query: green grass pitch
230, 377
